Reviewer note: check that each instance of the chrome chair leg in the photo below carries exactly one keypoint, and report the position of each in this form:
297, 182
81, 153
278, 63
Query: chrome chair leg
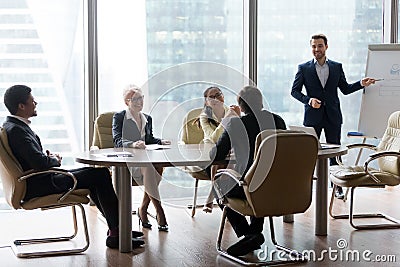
194, 206
395, 223
295, 256
23, 242
196, 187
351, 216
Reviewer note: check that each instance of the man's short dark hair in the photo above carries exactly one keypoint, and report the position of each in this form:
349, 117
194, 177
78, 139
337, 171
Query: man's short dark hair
15, 95
250, 99
319, 36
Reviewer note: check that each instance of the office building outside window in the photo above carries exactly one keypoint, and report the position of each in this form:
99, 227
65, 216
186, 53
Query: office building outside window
41, 46
285, 29
139, 39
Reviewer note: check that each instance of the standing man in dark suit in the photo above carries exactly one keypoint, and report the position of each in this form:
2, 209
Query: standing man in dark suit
321, 78
28, 150
240, 134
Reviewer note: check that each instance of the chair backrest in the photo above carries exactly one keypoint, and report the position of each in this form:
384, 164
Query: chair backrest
10, 171
102, 134
279, 181
391, 142
191, 132
264, 134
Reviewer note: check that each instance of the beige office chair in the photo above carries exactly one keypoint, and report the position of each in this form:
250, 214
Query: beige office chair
102, 134
102, 137
193, 134
14, 186
388, 155
279, 182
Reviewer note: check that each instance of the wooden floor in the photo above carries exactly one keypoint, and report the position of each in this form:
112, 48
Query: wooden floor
191, 241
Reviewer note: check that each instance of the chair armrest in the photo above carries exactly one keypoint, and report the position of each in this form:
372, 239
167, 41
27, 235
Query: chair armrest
356, 146
234, 175
224, 180
376, 156
33, 173
369, 146
383, 154
94, 148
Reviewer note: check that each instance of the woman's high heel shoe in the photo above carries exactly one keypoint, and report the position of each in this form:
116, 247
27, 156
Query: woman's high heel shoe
162, 223
163, 228
144, 224
160, 217
208, 207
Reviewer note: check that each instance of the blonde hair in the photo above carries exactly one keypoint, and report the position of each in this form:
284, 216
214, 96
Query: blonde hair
131, 88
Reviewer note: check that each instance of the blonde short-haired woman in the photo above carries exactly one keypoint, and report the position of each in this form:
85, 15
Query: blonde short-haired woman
132, 128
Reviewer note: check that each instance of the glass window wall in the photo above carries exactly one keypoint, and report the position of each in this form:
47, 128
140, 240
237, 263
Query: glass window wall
285, 29
153, 44
42, 46
173, 50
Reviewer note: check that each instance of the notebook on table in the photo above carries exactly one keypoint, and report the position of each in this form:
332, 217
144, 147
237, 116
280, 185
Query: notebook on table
312, 131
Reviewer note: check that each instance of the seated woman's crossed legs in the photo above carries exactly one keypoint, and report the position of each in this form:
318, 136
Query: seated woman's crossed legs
151, 180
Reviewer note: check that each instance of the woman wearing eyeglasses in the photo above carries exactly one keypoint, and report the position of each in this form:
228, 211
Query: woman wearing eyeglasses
212, 120
132, 128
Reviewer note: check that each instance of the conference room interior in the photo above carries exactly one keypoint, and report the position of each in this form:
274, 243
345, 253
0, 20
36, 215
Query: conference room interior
78, 56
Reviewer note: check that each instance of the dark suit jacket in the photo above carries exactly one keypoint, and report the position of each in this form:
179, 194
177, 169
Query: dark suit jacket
26, 146
125, 132
307, 76
27, 149
240, 134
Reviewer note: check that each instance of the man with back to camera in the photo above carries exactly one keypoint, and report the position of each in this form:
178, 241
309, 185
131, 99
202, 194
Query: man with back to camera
240, 134
27, 149
321, 78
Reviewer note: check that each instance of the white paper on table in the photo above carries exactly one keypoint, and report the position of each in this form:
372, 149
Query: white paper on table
122, 154
157, 146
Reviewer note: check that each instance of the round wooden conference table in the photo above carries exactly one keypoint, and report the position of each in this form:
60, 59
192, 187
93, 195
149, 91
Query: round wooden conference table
185, 155
154, 155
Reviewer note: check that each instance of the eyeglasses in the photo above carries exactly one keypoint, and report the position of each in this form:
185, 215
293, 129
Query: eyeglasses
136, 99
217, 95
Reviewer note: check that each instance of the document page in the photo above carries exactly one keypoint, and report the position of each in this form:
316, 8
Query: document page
122, 154
156, 147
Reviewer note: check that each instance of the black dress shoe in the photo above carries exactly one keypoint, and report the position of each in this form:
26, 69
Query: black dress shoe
339, 192
113, 242
134, 233
246, 245
137, 234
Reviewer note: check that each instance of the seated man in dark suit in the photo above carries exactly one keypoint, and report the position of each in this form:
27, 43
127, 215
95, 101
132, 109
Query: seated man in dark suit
27, 149
240, 134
